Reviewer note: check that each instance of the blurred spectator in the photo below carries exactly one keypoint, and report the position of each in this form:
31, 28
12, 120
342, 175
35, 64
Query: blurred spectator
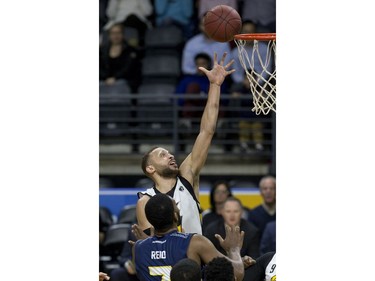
266, 212
232, 215
268, 239
220, 191
118, 60
201, 43
133, 13
178, 12
126, 271
249, 128
206, 5
262, 13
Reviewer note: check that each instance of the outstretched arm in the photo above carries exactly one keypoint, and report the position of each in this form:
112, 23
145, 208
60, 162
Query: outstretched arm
192, 165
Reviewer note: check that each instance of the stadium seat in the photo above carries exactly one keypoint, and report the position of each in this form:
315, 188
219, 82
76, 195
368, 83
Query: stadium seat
164, 39
105, 217
144, 183
120, 87
128, 214
161, 67
114, 114
159, 91
155, 110
116, 236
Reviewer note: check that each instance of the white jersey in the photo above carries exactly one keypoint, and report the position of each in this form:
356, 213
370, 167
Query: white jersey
187, 203
271, 270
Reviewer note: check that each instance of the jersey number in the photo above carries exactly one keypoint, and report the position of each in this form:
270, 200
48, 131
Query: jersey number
163, 271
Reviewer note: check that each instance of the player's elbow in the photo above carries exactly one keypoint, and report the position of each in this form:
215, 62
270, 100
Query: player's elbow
209, 131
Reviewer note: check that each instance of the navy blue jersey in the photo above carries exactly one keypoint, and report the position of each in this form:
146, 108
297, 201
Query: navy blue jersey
155, 256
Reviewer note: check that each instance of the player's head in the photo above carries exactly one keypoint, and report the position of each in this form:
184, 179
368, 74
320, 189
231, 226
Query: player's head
162, 212
186, 270
219, 193
267, 188
219, 269
232, 211
159, 161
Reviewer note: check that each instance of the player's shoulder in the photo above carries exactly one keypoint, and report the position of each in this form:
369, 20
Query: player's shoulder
181, 235
198, 239
199, 243
143, 200
149, 192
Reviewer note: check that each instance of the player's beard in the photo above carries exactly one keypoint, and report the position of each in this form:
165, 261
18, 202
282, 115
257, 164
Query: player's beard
168, 173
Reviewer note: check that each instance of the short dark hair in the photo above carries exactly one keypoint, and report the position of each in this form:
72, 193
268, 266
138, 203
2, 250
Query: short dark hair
160, 211
204, 56
145, 159
186, 270
219, 269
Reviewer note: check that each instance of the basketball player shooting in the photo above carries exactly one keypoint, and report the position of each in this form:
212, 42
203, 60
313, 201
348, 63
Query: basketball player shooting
182, 182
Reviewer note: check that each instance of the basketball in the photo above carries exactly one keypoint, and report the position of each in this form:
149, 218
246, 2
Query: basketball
221, 23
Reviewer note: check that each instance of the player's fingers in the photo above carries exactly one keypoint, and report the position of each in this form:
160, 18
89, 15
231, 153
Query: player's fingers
248, 261
223, 58
136, 231
229, 64
242, 236
136, 228
228, 228
131, 242
218, 237
203, 69
215, 57
103, 276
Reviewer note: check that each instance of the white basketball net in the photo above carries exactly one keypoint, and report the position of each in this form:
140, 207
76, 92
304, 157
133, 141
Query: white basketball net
257, 59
